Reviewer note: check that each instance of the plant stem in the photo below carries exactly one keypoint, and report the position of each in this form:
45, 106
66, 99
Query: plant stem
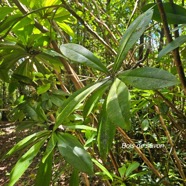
175, 52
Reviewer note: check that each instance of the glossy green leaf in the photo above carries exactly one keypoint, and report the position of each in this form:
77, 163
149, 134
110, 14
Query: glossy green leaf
148, 78
122, 170
76, 98
79, 54
131, 168
94, 98
24, 162
50, 147
175, 14
177, 42
81, 127
49, 2
43, 88
130, 37
9, 21
44, 173
118, 105
5, 11
74, 153
26, 142
101, 167
74, 179
106, 133
25, 69
8, 46
66, 28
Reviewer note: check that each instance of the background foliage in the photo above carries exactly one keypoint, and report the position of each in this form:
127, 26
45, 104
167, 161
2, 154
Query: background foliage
99, 86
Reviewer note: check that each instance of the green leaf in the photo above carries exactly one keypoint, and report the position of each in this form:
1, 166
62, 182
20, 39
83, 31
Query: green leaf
49, 2
8, 46
101, 167
23, 79
41, 67
122, 170
9, 21
48, 59
79, 54
26, 142
32, 112
44, 173
10, 59
57, 100
76, 98
24, 162
4, 75
148, 78
118, 106
173, 45
175, 14
94, 98
74, 179
25, 69
43, 88
81, 127
4, 11
50, 147
131, 168
66, 28
106, 133
130, 37
74, 153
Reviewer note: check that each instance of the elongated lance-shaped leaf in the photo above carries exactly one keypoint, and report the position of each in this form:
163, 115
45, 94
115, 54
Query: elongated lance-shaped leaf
8, 46
11, 58
26, 142
24, 162
118, 105
132, 34
101, 167
106, 133
148, 78
69, 105
93, 99
74, 179
50, 147
74, 153
80, 54
134, 165
44, 173
173, 45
